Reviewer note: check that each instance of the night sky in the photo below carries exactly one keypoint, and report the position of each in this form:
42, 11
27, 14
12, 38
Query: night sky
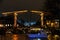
11, 5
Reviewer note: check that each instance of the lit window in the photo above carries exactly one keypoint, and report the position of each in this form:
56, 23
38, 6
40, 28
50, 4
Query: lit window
6, 25
1, 25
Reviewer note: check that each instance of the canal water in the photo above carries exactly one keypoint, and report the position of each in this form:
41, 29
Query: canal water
14, 37
22, 37
17, 37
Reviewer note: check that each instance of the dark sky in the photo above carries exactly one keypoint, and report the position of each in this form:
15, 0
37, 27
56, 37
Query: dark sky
11, 5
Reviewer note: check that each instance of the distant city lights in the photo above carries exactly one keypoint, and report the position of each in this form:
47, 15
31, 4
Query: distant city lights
1, 25
29, 23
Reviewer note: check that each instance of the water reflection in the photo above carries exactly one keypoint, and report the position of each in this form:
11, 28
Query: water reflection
25, 37
15, 37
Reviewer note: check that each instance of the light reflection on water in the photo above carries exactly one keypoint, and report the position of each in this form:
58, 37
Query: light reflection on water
18, 37
15, 37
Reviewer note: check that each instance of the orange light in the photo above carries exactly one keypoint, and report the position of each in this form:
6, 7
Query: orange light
15, 37
1, 25
52, 24
36, 29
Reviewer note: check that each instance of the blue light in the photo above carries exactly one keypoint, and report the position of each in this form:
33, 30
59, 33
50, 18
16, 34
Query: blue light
29, 23
32, 23
38, 35
26, 24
